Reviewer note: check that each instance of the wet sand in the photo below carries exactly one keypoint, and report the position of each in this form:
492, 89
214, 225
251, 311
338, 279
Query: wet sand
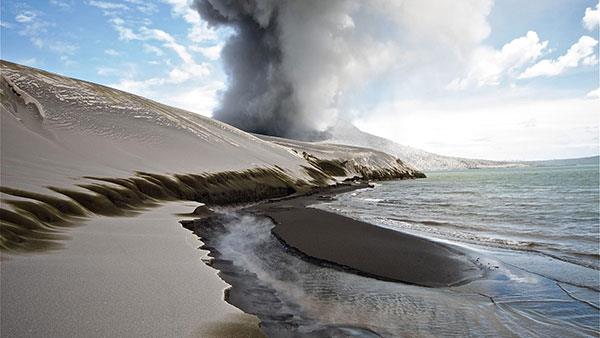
367, 249
266, 276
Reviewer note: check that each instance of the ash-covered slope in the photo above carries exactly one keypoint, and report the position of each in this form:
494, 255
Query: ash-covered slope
340, 159
72, 148
346, 133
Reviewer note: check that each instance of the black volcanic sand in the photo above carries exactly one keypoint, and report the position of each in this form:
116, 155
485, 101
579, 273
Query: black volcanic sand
329, 240
364, 248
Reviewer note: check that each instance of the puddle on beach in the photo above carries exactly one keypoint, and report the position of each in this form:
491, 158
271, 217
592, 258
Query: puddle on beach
293, 297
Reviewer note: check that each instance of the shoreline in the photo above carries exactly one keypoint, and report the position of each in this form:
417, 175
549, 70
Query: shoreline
335, 240
293, 294
255, 296
121, 276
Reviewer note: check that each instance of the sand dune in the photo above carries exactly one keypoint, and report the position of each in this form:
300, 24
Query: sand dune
72, 148
76, 153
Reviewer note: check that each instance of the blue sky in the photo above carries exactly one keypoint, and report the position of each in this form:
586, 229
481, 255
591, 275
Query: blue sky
516, 92
133, 45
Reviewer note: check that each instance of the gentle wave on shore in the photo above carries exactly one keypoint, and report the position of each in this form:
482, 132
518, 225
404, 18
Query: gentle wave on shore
552, 210
295, 297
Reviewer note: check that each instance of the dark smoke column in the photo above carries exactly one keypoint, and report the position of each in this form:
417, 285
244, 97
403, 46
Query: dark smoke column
259, 97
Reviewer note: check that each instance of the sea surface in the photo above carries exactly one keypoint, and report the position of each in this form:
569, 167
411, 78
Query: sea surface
550, 210
537, 229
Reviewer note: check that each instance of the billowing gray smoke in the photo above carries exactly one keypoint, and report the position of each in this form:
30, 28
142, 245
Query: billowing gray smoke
294, 65
266, 93
260, 98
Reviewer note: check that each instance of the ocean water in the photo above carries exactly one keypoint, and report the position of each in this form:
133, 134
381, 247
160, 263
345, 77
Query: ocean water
537, 228
549, 210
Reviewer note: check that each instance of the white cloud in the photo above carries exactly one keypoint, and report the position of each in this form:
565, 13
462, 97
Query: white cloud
591, 19
32, 26
111, 52
594, 94
25, 17
176, 76
60, 47
199, 30
125, 33
67, 61
106, 71
187, 75
148, 8
108, 6
591, 60
153, 50
6, 25
39, 43
501, 126
489, 66
188, 71
581, 52
62, 4
169, 42
145, 34
212, 52
112, 9
204, 39
139, 87
200, 98
144, 6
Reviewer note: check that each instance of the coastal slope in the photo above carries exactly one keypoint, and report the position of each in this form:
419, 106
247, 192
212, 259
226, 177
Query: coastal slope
72, 148
93, 183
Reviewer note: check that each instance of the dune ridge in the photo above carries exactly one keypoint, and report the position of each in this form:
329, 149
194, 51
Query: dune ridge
71, 149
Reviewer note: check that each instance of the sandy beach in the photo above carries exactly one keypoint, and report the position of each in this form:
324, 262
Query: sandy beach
120, 276
369, 249
93, 183
306, 271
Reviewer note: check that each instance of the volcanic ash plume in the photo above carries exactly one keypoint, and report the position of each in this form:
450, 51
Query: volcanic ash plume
294, 64
279, 63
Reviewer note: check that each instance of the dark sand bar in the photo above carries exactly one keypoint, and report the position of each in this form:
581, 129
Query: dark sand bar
369, 249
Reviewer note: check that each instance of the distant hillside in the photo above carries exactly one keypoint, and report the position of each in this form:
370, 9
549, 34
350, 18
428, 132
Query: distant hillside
592, 160
346, 133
